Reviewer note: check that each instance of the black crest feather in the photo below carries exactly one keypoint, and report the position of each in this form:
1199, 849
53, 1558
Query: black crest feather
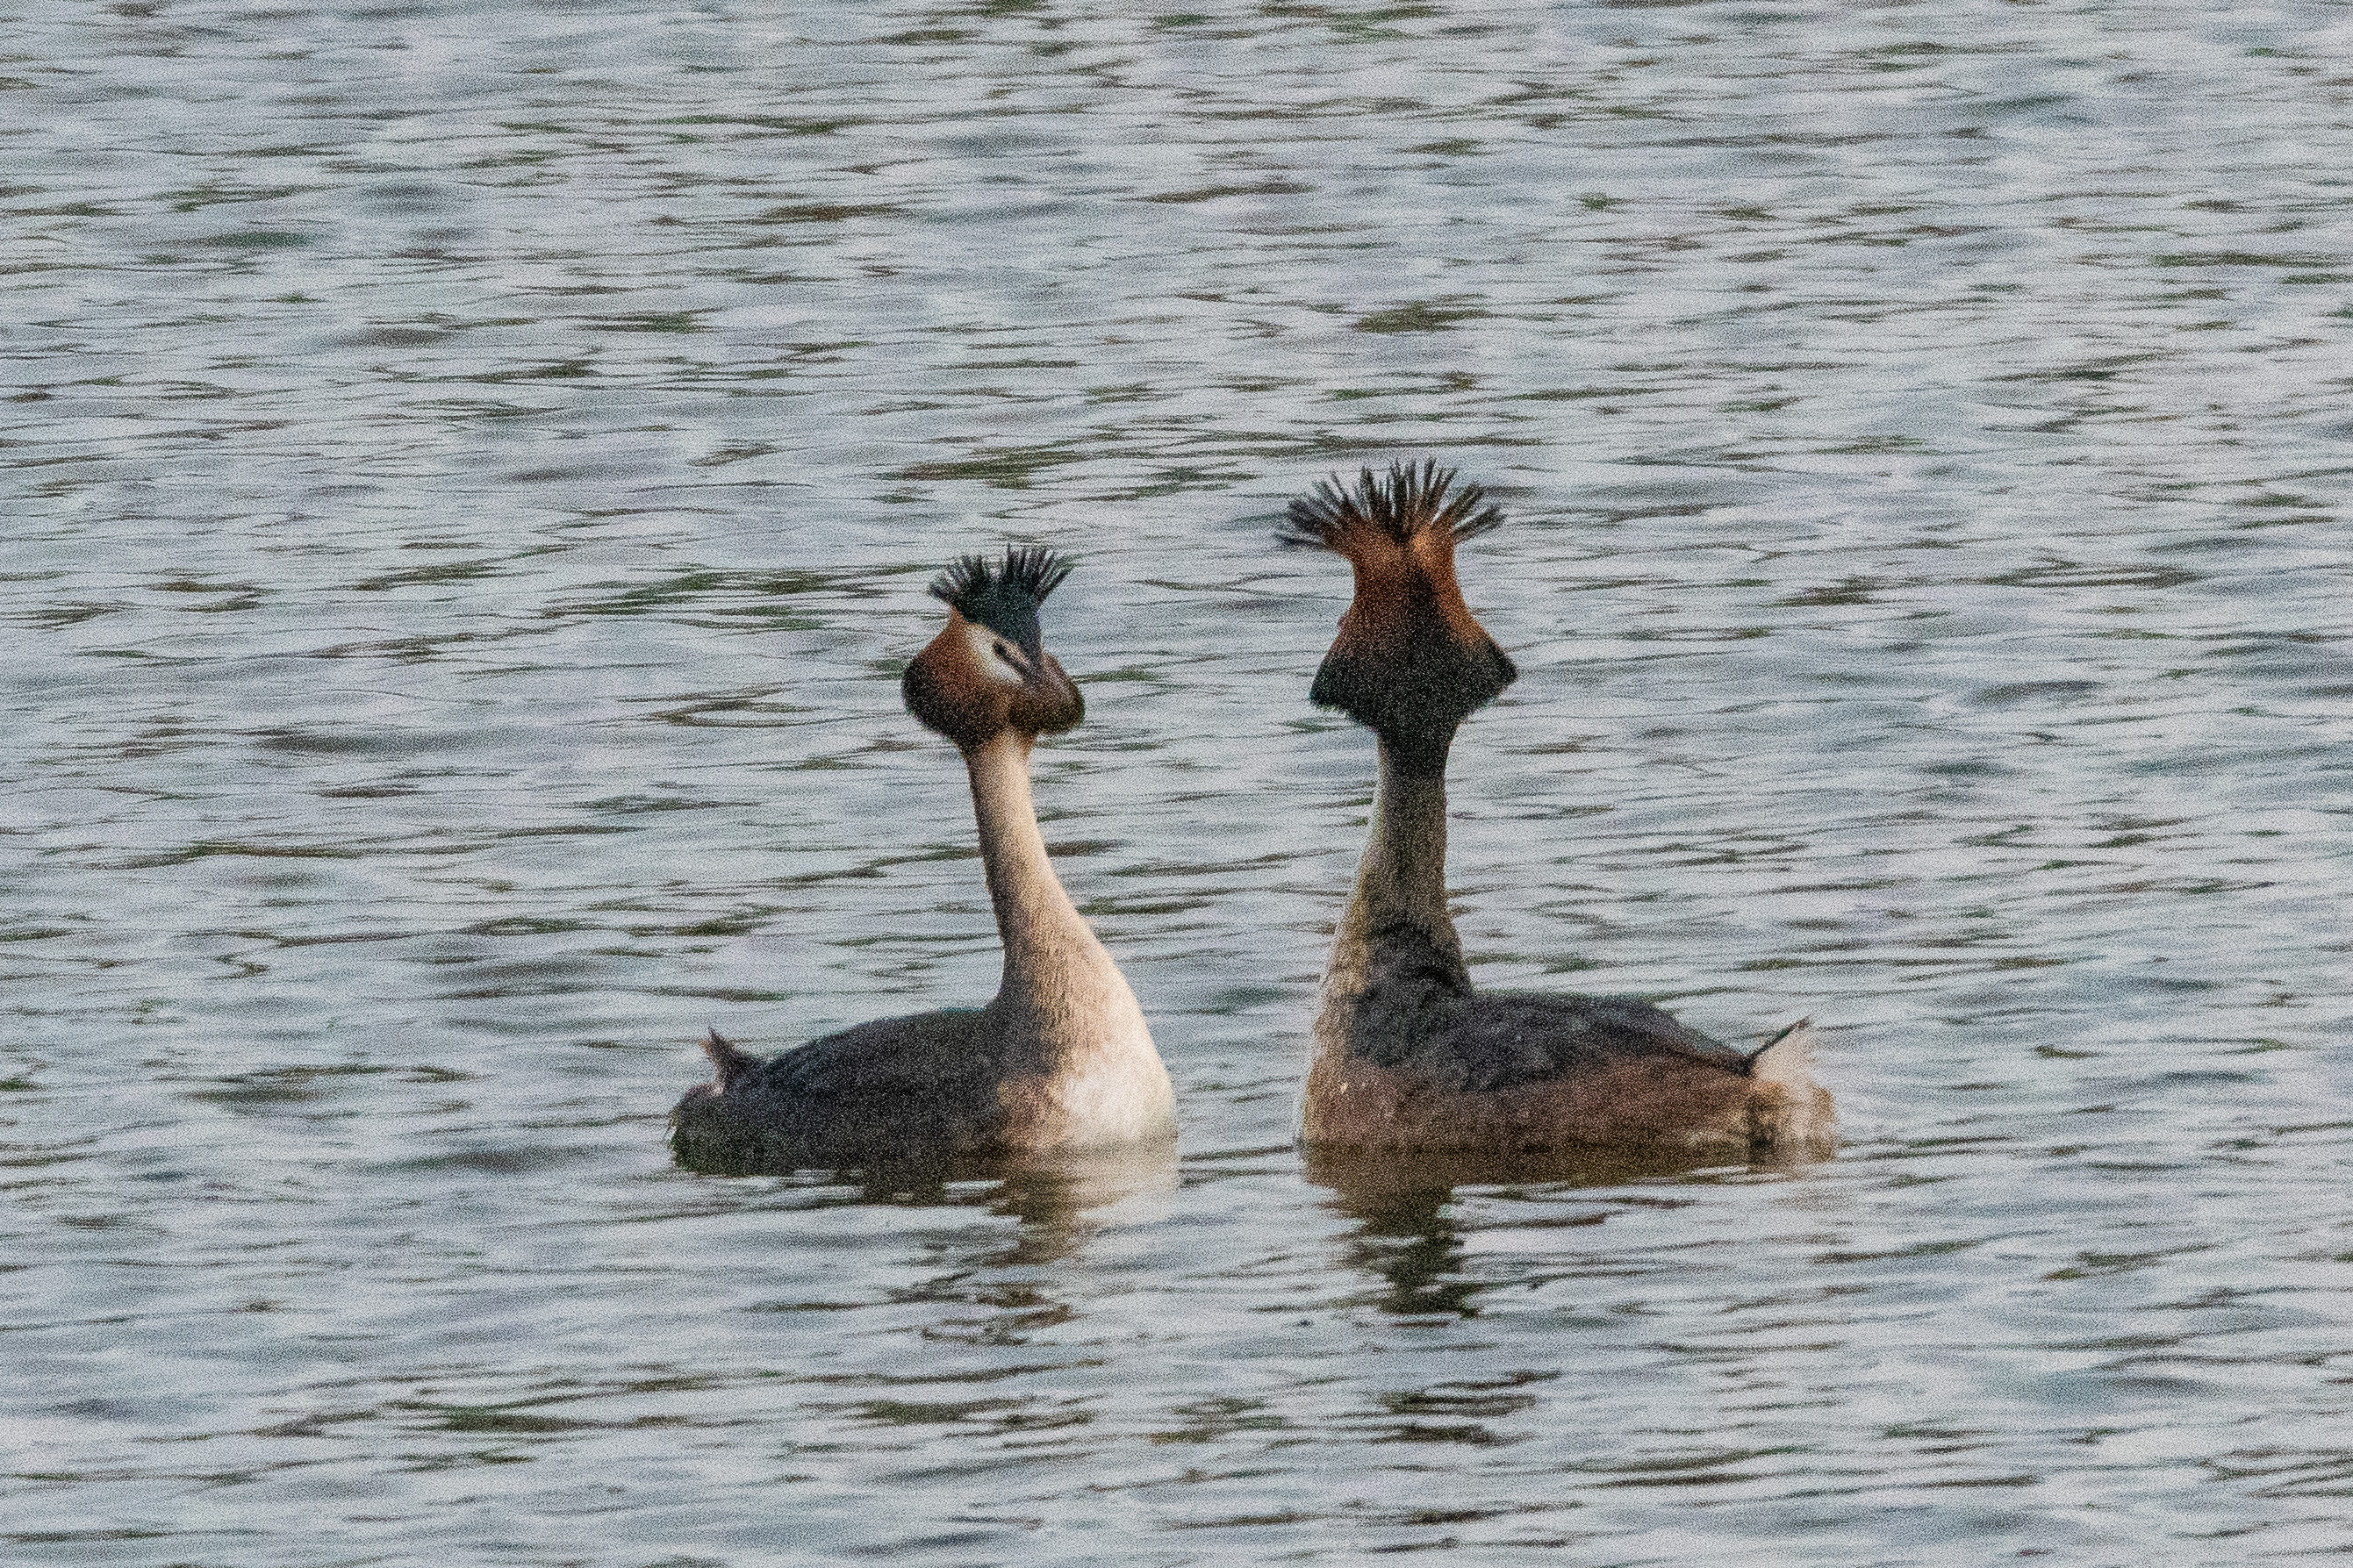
1004, 596
1408, 500
1032, 570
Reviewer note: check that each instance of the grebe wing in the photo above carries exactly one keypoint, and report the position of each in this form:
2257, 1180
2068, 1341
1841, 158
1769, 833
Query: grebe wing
912, 1058
1500, 1038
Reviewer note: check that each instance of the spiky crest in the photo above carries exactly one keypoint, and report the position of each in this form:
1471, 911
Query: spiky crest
971, 582
1409, 500
1005, 597
1410, 661
970, 691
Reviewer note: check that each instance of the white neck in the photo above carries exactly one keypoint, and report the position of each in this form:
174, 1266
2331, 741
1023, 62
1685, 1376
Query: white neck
1062, 999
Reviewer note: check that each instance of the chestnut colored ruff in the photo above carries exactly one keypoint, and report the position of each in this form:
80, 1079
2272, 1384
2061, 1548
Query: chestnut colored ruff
1060, 1058
1406, 1054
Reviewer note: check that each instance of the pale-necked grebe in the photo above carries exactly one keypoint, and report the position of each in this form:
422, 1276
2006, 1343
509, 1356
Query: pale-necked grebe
1407, 1055
1061, 1059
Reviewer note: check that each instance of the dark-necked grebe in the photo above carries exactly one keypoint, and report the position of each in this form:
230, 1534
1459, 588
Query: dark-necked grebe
1407, 1055
1061, 1059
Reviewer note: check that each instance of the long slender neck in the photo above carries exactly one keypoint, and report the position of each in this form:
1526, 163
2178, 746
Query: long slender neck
1395, 952
1401, 880
1063, 1001
1039, 926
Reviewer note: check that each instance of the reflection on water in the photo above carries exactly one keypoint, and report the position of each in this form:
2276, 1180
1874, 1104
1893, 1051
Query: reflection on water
1406, 1209
1407, 1241
1406, 1205
475, 469
1364, 1181
1050, 1194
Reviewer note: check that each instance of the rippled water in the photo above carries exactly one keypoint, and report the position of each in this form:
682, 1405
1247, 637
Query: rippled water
473, 468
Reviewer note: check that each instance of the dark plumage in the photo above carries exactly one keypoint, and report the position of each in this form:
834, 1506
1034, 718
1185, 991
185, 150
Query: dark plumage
1410, 501
1417, 1011
1005, 598
1062, 1058
1407, 1055
1411, 662
892, 1089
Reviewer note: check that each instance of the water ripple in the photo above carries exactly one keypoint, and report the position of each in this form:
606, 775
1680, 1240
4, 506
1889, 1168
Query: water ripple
478, 466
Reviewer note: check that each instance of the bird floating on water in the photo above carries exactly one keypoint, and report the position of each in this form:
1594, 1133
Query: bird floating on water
1061, 1060
1407, 1055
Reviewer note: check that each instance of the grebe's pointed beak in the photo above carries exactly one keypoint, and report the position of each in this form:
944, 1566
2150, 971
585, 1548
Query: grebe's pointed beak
973, 684
988, 670
1050, 702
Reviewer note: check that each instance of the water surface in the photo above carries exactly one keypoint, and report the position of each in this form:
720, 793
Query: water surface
473, 471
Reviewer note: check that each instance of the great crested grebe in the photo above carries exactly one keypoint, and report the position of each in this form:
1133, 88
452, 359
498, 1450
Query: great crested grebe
1407, 1055
1061, 1059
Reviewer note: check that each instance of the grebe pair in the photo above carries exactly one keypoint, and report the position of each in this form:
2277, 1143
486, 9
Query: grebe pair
1407, 1056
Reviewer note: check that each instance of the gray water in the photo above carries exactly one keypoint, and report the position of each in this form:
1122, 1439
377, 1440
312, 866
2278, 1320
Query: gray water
472, 470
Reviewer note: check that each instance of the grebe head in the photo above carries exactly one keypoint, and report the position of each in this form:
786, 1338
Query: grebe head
1411, 662
988, 672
